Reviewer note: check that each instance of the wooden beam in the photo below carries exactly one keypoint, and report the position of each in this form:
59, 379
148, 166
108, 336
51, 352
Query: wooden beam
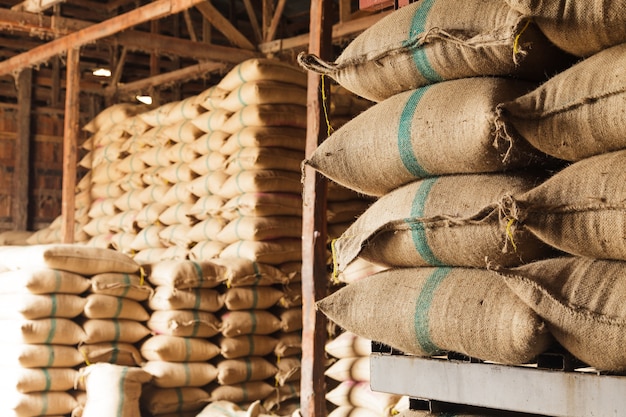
188, 73
271, 31
70, 144
314, 228
42, 53
339, 31
256, 29
222, 24
116, 76
190, 28
21, 174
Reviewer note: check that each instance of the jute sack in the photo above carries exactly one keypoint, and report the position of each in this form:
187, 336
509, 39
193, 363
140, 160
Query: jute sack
210, 142
39, 355
124, 354
289, 344
257, 69
39, 306
445, 128
113, 390
132, 286
234, 371
247, 345
67, 257
113, 330
260, 228
273, 252
429, 222
289, 370
578, 210
238, 323
187, 274
27, 380
176, 236
246, 298
206, 250
261, 180
264, 158
262, 205
207, 230
280, 398
290, 319
435, 40
50, 403
160, 401
210, 98
264, 92
423, 311
43, 281
101, 306
170, 298
183, 374
359, 394
578, 112
240, 393
178, 349
207, 208
184, 323
57, 331
581, 300
243, 272
348, 345
580, 28
288, 115
211, 121
350, 369
265, 136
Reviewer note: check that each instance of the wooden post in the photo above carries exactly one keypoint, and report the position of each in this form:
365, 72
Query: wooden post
70, 144
21, 179
314, 233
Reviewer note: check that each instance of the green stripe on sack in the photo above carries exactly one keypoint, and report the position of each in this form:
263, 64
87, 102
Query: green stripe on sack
48, 378
181, 399
50, 349
121, 393
422, 310
418, 233
250, 344
405, 147
418, 26
199, 273
54, 305
51, 332
248, 362
187, 349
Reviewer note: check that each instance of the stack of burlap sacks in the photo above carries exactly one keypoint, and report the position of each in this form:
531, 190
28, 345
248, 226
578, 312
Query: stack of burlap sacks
494, 247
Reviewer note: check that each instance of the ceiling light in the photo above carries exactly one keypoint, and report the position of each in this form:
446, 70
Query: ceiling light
144, 99
102, 72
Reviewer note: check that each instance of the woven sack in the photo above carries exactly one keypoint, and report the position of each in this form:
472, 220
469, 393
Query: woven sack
577, 113
184, 374
176, 236
260, 228
187, 274
235, 371
184, 131
429, 222
580, 28
161, 401
111, 116
132, 286
170, 298
423, 311
178, 349
209, 184
42, 281
211, 121
359, 394
290, 319
262, 205
38, 306
445, 128
184, 323
182, 152
40, 379
101, 306
287, 115
435, 40
247, 298
113, 330
273, 252
350, 369
179, 193
257, 69
243, 272
581, 300
578, 210
261, 180
264, 92
207, 230
148, 238
124, 354
352, 411
54, 331
40, 355
188, 108
50, 403
207, 207
210, 98
289, 344
113, 390
264, 158
289, 370
206, 164
265, 136
285, 398
206, 250
348, 345
244, 392
247, 345
238, 323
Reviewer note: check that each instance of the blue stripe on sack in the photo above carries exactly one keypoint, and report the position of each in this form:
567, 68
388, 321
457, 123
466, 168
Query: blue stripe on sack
422, 310
45, 402
418, 26
418, 233
121, 393
405, 147
126, 281
46, 374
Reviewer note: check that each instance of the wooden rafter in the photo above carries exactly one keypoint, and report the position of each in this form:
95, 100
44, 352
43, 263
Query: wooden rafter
42, 53
70, 144
222, 24
273, 27
256, 29
21, 179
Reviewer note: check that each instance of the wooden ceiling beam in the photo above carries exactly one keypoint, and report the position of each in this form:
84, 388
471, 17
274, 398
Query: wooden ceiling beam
271, 31
256, 29
42, 53
222, 24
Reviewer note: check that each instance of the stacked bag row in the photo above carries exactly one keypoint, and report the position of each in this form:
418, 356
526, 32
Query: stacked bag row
518, 208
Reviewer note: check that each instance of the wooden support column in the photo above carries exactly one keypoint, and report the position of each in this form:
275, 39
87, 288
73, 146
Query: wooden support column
314, 233
21, 173
70, 144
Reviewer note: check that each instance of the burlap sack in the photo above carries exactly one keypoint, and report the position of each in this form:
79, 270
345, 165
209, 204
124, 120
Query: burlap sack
170, 298
423, 311
247, 345
39, 355
67, 257
262, 205
40, 379
124, 354
246, 298
264, 92
261, 180
132, 286
290, 319
257, 69
207, 207
581, 301
38, 306
42, 281
445, 128
211, 121
577, 113
158, 115
273, 252
129, 200
38, 403
265, 136
184, 323
578, 210
101, 306
359, 394
240, 393
113, 330
264, 158
179, 193
435, 40
235, 371
176, 236
210, 142
243, 272
429, 222
207, 230
289, 344
176, 172
206, 250
187, 274
238, 323
260, 228
178, 349
182, 152
113, 390
580, 28
350, 369
183, 374
56, 331
289, 370
348, 345
210, 98
284, 398
287, 115
209, 184
161, 401
205, 164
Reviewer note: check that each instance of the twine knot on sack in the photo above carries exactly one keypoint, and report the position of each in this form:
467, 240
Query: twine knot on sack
509, 218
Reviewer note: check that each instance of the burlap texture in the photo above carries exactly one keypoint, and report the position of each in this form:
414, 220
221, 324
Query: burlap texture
581, 300
434, 40
423, 311
445, 128
429, 222
577, 113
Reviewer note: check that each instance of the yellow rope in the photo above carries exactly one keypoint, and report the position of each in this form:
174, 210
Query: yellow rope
516, 49
333, 251
329, 128
509, 233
